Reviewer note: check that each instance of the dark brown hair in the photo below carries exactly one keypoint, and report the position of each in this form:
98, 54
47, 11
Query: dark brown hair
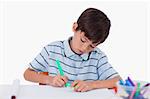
95, 24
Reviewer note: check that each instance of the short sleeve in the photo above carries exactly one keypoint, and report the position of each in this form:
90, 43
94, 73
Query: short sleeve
105, 70
40, 62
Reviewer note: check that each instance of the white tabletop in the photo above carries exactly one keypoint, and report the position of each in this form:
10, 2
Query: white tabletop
48, 92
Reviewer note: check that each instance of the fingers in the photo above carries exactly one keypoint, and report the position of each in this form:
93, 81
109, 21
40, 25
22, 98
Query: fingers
80, 86
74, 83
64, 78
86, 88
59, 81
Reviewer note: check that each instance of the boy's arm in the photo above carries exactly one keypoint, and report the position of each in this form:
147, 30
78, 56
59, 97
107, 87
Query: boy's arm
104, 71
34, 76
57, 81
105, 83
82, 86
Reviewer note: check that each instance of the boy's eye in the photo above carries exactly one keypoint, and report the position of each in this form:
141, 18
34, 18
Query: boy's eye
92, 46
83, 40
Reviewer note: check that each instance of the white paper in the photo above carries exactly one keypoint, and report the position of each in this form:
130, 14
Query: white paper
47, 92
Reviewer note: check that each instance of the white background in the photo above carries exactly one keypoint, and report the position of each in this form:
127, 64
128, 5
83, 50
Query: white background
27, 26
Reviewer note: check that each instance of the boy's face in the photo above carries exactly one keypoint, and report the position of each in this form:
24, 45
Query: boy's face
80, 43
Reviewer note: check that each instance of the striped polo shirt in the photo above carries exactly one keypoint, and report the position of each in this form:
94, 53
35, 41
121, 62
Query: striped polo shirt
88, 67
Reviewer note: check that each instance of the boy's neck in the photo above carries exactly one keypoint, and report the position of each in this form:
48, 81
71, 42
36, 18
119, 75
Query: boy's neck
71, 45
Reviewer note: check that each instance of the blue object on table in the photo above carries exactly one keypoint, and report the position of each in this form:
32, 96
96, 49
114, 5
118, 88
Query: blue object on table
130, 81
121, 82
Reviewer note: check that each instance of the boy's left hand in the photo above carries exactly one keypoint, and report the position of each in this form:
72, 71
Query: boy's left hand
82, 86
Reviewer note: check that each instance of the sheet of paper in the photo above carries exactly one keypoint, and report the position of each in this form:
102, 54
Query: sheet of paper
46, 92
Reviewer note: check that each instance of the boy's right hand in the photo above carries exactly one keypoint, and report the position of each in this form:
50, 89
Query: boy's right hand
59, 81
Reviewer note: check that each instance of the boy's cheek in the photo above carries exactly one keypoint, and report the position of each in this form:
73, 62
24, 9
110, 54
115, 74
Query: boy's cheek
79, 46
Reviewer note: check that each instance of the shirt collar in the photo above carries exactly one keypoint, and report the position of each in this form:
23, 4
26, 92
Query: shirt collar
85, 56
69, 52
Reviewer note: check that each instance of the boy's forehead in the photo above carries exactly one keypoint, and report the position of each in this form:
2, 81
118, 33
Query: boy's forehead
92, 43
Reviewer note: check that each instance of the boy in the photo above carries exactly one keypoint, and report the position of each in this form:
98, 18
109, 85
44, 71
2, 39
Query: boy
84, 65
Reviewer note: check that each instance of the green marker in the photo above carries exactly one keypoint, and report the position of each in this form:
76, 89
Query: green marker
61, 72
138, 89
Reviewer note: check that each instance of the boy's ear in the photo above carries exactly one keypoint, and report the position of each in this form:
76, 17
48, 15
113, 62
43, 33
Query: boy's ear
74, 27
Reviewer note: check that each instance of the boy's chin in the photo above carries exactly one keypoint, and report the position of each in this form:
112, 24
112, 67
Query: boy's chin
79, 53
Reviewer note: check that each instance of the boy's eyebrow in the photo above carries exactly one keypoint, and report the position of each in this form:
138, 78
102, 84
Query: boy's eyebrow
92, 43
96, 43
86, 38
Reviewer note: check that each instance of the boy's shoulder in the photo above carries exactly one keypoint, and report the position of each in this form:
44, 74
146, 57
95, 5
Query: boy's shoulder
97, 50
99, 53
55, 44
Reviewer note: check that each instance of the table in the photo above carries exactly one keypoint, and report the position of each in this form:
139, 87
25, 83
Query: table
49, 92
